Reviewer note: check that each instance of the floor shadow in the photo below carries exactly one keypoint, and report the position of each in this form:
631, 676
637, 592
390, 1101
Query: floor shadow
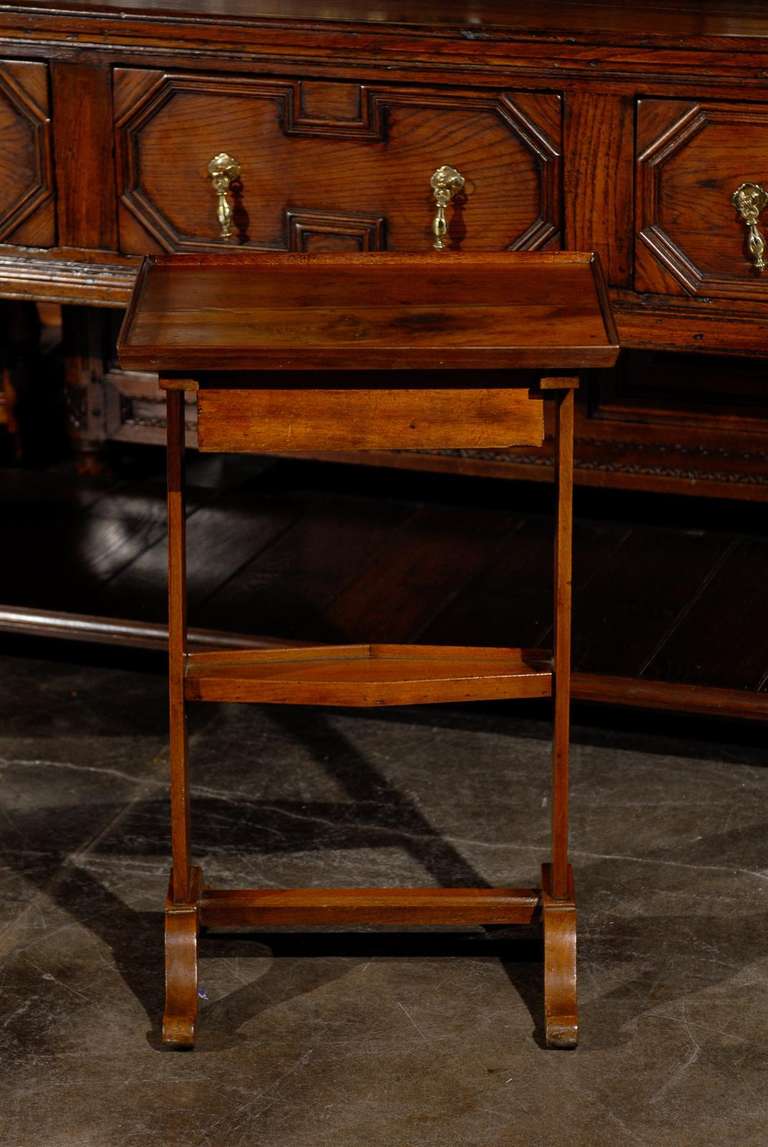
223, 1020
655, 950
134, 938
376, 815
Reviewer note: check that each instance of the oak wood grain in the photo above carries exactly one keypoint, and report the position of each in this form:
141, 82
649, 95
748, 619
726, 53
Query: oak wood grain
598, 198
695, 156
82, 95
326, 168
27, 214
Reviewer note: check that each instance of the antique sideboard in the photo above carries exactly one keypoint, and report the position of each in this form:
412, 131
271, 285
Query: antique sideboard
640, 132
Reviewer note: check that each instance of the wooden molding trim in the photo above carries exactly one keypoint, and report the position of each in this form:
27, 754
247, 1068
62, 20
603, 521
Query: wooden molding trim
66, 281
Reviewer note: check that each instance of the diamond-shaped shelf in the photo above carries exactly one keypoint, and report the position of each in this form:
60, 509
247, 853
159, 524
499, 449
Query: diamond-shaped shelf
367, 675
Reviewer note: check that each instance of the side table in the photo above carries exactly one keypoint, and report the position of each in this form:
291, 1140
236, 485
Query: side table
363, 352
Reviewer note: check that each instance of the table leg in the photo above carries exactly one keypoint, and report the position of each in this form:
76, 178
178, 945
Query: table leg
558, 903
181, 929
181, 911
177, 643
559, 926
561, 684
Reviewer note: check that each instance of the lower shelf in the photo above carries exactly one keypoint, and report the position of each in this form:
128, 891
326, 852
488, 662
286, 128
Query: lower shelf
367, 675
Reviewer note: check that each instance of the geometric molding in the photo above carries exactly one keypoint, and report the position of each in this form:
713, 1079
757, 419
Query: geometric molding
286, 96
25, 151
546, 227
708, 174
355, 114
307, 226
365, 123
128, 125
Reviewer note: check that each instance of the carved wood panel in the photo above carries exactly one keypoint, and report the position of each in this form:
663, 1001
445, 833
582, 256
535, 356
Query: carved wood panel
26, 184
691, 158
332, 165
333, 231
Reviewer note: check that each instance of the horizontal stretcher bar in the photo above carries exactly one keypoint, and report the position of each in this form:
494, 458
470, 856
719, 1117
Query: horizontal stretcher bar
254, 908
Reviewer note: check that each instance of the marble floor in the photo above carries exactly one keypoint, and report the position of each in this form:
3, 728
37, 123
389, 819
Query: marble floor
373, 1039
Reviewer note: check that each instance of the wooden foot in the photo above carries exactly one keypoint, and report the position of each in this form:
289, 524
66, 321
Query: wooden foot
559, 924
181, 928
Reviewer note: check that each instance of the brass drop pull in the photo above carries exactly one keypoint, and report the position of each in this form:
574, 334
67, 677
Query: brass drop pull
749, 200
446, 182
223, 170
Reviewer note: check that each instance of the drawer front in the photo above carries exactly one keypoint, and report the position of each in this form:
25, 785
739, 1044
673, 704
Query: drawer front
692, 158
265, 421
331, 166
26, 181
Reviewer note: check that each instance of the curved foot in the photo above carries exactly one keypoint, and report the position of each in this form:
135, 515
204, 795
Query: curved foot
181, 928
560, 1009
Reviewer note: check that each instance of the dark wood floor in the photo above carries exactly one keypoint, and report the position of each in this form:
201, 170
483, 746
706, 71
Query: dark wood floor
668, 594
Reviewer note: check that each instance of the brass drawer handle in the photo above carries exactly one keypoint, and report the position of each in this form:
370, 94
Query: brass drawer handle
446, 182
224, 170
749, 200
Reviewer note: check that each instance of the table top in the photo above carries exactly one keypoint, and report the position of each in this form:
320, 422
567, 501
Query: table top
381, 311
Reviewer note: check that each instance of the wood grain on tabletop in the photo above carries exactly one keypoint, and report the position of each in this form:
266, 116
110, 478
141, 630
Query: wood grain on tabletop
539, 311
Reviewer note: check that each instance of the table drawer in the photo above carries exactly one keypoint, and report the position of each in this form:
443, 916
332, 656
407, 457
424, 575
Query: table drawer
692, 158
331, 165
26, 180
300, 420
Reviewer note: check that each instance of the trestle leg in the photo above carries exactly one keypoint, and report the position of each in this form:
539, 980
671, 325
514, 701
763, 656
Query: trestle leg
181, 930
559, 926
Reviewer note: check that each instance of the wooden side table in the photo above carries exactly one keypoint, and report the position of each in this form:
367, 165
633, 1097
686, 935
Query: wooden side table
327, 352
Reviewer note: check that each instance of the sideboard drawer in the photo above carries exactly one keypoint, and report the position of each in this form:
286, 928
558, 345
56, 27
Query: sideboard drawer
26, 181
331, 165
692, 158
